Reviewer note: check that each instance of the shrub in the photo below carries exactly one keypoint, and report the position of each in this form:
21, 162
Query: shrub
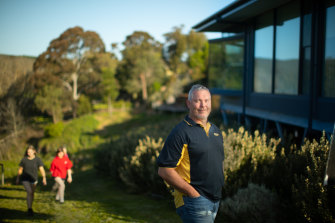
295, 174
309, 195
252, 204
84, 105
54, 130
139, 171
139, 142
73, 134
247, 158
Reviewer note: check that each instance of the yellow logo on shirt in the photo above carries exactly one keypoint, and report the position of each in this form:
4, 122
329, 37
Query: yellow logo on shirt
216, 134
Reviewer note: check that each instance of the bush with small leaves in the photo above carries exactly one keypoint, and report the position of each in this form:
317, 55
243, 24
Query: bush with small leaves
252, 204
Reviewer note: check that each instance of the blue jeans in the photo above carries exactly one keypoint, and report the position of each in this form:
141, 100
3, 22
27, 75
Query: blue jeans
198, 210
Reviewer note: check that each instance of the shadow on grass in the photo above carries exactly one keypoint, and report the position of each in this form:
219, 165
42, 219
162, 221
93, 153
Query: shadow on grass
12, 188
6, 197
111, 196
11, 214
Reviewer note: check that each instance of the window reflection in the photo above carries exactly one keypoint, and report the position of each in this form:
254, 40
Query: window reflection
287, 50
306, 47
226, 64
329, 67
263, 55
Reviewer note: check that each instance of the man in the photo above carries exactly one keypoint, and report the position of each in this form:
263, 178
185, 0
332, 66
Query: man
191, 161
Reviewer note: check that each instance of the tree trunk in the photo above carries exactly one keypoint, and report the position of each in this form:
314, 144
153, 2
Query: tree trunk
74, 78
144, 87
110, 107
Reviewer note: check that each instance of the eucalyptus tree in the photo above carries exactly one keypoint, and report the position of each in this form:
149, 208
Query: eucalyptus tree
109, 87
186, 55
69, 62
142, 70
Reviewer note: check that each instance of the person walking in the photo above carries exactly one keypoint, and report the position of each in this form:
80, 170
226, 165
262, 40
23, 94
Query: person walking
191, 161
28, 175
60, 168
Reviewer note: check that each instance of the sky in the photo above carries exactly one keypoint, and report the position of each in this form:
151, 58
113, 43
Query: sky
28, 26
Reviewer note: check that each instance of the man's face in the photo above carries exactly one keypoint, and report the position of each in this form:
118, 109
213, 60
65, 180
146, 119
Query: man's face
200, 105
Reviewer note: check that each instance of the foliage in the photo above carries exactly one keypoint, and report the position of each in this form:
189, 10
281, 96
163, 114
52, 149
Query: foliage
11, 119
110, 86
13, 68
130, 153
84, 106
71, 63
186, 54
75, 135
54, 130
141, 66
139, 171
186, 58
252, 204
295, 174
51, 100
247, 158
308, 164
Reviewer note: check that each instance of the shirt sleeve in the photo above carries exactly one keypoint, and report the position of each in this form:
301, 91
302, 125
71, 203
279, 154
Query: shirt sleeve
172, 150
39, 162
21, 163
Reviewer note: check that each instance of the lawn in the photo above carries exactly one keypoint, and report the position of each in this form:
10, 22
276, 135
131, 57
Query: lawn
91, 197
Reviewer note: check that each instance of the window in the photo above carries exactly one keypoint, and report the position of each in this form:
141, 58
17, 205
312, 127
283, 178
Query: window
328, 89
263, 54
306, 47
287, 50
276, 52
226, 64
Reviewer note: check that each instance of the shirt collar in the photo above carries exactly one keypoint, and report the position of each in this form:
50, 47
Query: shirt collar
190, 122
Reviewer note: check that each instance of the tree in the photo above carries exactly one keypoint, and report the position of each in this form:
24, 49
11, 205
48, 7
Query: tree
51, 100
186, 56
142, 69
10, 115
109, 87
68, 62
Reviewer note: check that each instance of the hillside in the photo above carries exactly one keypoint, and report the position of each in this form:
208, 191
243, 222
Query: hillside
12, 68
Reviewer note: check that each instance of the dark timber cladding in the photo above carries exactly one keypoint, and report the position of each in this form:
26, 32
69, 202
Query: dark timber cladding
275, 61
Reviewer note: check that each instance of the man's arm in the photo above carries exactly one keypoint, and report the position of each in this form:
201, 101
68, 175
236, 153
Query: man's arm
171, 176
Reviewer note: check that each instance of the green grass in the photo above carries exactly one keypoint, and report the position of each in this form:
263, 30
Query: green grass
90, 198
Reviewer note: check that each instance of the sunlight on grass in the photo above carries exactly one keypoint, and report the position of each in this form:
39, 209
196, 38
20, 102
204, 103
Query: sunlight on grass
91, 197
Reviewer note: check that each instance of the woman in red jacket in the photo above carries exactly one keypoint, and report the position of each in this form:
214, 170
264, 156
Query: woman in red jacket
60, 167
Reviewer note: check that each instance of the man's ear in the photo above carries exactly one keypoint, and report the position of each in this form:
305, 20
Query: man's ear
187, 103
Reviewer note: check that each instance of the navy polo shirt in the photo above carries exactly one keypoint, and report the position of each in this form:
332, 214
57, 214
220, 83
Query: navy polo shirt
196, 152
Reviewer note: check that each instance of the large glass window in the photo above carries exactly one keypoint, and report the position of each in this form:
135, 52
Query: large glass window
226, 64
263, 54
287, 49
328, 89
276, 52
306, 47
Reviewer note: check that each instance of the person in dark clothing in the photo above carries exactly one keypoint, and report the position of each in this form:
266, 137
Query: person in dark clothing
191, 161
28, 175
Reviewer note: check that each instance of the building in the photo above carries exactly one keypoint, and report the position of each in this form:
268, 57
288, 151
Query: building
275, 61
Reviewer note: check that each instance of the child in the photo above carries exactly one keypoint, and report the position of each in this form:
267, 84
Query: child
28, 173
60, 168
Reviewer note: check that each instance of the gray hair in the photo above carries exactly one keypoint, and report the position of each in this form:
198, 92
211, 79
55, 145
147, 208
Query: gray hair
196, 87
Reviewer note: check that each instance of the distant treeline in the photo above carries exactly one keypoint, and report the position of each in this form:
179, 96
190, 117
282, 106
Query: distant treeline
13, 67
